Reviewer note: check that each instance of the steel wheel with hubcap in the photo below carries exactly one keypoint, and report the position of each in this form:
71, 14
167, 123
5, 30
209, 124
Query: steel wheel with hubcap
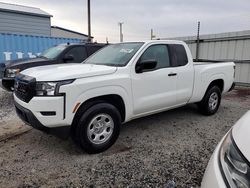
211, 101
98, 128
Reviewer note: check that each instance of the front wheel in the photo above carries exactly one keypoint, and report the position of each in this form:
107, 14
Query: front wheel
98, 128
211, 101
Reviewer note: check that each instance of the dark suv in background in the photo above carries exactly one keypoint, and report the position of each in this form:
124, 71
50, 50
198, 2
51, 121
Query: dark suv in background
63, 53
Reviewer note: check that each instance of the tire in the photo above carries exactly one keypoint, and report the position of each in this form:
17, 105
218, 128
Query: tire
211, 101
98, 128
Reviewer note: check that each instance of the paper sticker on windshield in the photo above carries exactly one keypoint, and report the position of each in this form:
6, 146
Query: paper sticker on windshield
128, 51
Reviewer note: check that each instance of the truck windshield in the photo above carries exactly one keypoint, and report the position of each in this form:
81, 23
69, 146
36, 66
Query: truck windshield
115, 54
53, 52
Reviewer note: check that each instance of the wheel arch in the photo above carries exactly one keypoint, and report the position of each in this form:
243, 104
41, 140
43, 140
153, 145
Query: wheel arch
217, 82
114, 99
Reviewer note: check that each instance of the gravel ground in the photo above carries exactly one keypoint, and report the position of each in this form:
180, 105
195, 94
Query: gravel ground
170, 147
6, 106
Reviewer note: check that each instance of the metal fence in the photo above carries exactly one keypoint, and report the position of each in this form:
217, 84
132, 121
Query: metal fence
232, 46
15, 46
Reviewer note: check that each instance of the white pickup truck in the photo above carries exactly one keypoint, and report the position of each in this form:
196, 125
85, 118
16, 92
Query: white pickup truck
117, 84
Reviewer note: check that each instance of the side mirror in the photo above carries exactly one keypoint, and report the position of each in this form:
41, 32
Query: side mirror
146, 65
68, 57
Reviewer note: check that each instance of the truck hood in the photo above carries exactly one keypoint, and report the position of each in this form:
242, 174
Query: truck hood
241, 132
68, 71
19, 63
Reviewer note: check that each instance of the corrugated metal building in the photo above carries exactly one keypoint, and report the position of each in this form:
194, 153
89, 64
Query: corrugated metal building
17, 19
66, 33
14, 46
26, 32
231, 46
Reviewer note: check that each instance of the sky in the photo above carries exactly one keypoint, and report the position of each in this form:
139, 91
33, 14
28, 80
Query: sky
168, 18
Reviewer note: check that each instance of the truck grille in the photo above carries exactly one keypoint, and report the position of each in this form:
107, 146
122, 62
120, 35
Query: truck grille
24, 87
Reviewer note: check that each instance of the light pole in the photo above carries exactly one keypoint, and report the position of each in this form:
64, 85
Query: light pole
121, 34
89, 23
198, 42
152, 36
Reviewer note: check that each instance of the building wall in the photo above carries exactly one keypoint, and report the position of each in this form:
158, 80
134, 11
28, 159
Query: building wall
232, 46
55, 32
19, 23
14, 46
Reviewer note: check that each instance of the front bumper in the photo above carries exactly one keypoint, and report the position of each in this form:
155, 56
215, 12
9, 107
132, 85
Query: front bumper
8, 83
36, 114
213, 177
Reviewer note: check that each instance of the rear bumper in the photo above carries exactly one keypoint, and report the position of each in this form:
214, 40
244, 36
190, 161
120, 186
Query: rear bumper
39, 121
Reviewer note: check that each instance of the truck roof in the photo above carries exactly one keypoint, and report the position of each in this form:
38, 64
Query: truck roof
156, 42
82, 44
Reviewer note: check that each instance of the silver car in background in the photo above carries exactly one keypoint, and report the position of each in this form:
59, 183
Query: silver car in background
229, 165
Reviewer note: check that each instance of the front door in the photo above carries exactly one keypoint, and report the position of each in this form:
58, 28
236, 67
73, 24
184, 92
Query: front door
155, 89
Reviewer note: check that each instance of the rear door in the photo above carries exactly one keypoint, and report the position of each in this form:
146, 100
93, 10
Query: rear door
154, 90
184, 73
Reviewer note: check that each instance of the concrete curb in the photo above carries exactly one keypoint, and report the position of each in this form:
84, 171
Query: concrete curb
12, 128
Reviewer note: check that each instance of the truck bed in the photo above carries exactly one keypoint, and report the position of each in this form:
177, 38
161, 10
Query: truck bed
207, 71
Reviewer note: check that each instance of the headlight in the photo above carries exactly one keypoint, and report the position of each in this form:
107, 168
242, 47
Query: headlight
45, 88
50, 88
234, 165
11, 73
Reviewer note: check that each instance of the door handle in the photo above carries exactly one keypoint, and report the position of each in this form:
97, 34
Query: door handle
172, 74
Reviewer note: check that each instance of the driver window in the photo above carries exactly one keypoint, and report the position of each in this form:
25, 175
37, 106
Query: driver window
158, 53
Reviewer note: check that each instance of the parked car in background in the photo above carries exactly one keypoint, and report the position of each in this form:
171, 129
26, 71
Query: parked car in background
229, 165
64, 53
119, 83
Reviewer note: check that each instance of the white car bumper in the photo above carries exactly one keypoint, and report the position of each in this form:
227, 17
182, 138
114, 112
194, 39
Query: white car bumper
213, 177
44, 113
49, 111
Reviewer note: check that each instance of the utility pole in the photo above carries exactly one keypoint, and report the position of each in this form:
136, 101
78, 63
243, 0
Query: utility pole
152, 36
198, 42
121, 34
89, 22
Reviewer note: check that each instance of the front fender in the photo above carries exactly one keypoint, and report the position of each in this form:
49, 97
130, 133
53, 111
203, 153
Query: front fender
108, 90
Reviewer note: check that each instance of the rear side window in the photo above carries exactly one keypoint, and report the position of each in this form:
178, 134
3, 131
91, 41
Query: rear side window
158, 53
178, 55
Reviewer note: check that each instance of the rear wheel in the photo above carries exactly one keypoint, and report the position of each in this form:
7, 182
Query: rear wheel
98, 128
211, 101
